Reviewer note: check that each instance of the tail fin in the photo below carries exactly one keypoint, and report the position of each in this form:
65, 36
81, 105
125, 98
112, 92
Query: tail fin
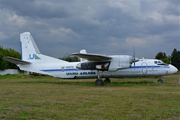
82, 51
30, 51
29, 48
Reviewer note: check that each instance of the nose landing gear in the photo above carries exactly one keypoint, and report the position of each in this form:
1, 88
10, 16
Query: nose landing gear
160, 80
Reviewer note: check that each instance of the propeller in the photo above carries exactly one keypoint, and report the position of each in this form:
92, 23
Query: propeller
134, 58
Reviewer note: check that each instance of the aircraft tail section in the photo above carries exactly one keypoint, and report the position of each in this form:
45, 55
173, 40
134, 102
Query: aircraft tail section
28, 47
30, 51
32, 60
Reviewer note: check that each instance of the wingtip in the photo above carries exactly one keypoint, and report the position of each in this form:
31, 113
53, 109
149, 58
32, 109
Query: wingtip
74, 53
6, 57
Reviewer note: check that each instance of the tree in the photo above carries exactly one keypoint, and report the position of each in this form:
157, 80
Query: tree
162, 56
175, 58
11, 53
70, 59
166, 60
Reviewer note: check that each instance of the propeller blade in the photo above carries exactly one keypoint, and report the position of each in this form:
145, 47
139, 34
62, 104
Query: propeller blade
134, 56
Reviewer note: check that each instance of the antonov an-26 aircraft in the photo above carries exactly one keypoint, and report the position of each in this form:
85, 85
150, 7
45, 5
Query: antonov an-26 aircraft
95, 65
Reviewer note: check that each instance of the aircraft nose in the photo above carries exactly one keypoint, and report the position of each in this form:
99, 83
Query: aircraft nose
173, 69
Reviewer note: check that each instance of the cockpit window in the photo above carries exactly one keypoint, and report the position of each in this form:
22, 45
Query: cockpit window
161, 61
158, 62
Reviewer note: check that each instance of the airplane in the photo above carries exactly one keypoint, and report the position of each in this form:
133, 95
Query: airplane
91, 65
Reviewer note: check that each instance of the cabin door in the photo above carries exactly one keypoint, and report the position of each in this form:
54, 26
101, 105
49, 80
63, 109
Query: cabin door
144, 68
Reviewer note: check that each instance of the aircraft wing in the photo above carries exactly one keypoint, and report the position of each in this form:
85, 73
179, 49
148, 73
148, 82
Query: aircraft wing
92, 57
16, 61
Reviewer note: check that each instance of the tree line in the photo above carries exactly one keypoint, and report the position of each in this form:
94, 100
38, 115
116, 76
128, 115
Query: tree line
11, 53
173, 59
70, 58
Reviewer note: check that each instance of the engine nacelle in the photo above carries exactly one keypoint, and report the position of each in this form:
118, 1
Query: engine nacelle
120, 62
117, 62
88, 65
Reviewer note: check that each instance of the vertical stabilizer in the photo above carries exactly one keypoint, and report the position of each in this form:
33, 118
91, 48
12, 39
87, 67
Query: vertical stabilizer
28, 47
31, 53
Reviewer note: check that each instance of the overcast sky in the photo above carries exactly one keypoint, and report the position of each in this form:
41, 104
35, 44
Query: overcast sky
108, 27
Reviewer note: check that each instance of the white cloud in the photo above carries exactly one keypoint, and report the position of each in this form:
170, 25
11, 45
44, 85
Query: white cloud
135, 41
145, 41
9, 18
62, 31
63, 34
17, 20
102, 26
131, 7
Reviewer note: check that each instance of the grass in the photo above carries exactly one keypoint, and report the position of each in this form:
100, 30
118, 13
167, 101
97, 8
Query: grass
25, 97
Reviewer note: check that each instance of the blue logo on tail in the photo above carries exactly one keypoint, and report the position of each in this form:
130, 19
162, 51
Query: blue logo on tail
31, 57
34, 56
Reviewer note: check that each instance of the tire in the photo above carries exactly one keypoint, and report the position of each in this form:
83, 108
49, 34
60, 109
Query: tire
160, 81
99, 82
107, 80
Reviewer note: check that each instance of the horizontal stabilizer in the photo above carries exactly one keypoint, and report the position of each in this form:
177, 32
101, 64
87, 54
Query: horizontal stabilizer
16, 61
92, 57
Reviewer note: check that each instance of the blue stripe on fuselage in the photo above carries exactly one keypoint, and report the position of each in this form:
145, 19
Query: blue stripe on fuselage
54, 70
150, 67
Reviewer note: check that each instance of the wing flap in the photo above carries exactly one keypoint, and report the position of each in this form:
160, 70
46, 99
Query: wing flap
16, 61
92, 57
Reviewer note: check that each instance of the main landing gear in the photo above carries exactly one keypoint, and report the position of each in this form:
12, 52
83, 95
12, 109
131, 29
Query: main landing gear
160, 80
107, 80
100, 82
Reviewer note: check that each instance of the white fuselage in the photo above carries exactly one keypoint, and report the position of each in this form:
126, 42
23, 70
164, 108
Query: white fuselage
144, 67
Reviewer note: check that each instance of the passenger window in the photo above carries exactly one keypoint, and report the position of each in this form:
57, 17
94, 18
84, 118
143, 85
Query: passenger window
155, 62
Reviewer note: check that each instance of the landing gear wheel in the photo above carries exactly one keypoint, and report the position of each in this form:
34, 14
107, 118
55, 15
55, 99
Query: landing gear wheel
107, 80
160, 81
99, 82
